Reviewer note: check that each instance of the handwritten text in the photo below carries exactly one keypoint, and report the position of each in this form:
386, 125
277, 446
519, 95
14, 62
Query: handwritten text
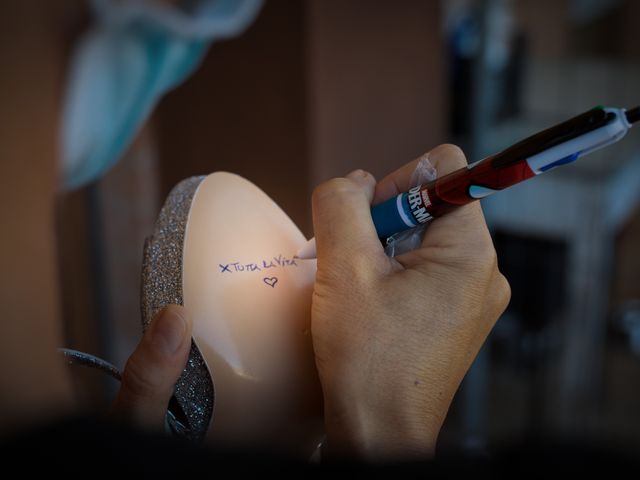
264, 264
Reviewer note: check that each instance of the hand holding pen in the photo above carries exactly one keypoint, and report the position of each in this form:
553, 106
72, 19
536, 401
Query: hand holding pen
393, 337
544, 151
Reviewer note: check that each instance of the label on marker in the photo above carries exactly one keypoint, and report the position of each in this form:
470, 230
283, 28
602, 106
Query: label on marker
418, 202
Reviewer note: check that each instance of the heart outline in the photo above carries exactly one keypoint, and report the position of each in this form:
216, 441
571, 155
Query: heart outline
271, 281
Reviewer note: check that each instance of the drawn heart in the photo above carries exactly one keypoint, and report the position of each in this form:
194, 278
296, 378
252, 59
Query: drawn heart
271, 281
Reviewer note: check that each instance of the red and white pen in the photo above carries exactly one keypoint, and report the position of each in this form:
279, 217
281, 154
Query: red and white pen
544, 151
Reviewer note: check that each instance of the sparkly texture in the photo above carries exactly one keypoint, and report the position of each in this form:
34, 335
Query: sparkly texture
74, 357
162, 285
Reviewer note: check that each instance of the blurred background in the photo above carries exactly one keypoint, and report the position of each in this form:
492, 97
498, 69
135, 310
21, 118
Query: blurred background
316, 88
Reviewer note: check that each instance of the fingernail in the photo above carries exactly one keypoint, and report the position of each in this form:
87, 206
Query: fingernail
361, 177
168, 330
357, 174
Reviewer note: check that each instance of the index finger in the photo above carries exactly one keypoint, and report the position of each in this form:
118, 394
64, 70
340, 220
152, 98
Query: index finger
445, 158
461, 226
461, 233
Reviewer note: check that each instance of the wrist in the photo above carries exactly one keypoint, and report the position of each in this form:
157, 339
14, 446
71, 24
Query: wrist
380, 426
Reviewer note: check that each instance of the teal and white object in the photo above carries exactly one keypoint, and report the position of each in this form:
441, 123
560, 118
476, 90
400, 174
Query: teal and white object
136, 52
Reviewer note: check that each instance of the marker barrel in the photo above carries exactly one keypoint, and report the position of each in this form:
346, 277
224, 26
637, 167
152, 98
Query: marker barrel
423, 203
537, 154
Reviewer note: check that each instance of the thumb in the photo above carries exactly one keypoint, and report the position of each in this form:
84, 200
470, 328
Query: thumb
152, 370
342, 221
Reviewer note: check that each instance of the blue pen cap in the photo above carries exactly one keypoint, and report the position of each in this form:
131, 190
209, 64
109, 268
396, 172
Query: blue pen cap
388, 219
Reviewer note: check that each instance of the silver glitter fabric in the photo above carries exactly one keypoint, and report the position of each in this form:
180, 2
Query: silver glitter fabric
74, 357
161, 286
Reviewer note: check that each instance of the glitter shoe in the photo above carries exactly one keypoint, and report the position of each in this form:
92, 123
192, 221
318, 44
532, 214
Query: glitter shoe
223, 249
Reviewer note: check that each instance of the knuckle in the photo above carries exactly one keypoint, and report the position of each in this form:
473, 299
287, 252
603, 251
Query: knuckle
496, 297
504, 291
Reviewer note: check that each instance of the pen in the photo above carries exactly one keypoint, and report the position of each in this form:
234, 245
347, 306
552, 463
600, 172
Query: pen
539, 153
